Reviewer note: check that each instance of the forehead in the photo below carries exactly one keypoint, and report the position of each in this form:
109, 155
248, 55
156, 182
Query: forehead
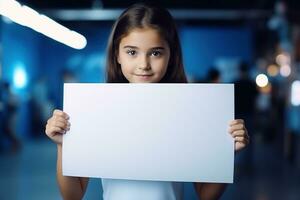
143, 37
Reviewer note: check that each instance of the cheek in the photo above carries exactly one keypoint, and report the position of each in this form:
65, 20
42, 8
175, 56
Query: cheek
126, 73
125, 69
161, 66
125, 63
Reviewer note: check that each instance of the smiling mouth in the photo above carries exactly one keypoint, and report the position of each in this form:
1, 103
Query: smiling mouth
144, 75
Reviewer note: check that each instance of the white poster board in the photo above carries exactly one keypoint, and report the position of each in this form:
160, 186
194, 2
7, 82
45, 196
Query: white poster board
165, 132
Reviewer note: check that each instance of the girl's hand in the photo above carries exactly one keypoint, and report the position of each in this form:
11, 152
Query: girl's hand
57, 125
239, 133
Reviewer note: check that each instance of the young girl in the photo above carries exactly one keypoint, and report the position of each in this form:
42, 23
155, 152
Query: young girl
143, 48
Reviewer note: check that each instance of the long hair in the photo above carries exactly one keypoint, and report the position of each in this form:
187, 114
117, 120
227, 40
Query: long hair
144, 15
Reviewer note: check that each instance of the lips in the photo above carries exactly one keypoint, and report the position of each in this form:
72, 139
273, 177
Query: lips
144, 77
143, 74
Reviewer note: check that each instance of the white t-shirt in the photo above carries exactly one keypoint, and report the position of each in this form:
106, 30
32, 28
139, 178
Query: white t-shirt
115, 189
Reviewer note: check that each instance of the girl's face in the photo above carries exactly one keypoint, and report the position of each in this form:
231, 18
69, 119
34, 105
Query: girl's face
143, 56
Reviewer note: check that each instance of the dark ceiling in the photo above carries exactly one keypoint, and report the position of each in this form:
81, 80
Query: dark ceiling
293, 6
183, 4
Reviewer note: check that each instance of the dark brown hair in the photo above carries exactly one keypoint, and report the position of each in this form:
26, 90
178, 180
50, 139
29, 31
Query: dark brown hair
144, 15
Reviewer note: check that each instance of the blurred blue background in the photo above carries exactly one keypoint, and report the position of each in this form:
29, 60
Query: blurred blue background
252, 44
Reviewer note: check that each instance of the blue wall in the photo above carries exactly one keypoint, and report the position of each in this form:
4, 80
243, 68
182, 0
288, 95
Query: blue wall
203, 46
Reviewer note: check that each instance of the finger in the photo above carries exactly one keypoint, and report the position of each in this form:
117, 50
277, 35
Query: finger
236, 127
62, 120
56, 130
55, 119
236, 121
60, 113
60, 124
238, 133
240, 139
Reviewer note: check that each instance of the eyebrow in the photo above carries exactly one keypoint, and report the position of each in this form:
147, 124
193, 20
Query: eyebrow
135, 47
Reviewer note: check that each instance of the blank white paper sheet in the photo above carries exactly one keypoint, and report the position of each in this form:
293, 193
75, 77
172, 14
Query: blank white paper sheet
161, 132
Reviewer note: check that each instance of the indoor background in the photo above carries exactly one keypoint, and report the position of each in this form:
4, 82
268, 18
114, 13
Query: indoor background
254, 44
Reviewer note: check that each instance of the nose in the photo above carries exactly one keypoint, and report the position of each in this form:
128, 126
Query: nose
144, 63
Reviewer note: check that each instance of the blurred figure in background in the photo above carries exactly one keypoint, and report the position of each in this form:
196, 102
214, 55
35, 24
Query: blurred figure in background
69, 76
9, 114
245, 105
277, 121
41, 106
245, 94
213, 76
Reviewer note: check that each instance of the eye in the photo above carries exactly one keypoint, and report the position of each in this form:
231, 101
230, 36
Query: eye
131, 52
156, 53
